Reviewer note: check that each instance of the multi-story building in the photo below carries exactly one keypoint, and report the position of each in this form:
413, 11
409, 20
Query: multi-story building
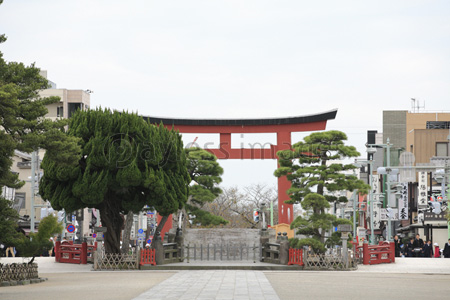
70, 101
426, 135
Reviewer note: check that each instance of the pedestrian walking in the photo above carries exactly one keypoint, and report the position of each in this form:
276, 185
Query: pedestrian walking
397, 246
409, 251
418, 246
447, 249
12, 251
427, 250
437, 252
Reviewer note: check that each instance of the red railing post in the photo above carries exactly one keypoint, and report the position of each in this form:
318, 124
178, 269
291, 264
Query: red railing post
57, 250
366, 254
147, 257
83, 255
392, 254
295, 257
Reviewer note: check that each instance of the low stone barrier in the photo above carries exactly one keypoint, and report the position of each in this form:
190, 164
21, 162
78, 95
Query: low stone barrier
19, 274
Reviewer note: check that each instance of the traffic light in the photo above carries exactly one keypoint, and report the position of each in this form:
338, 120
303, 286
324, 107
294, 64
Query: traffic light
256, 216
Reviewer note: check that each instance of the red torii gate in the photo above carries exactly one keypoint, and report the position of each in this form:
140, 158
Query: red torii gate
283, 127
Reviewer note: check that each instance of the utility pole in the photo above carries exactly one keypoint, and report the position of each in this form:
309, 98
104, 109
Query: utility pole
371, 151
33, 187
447, 175
388, 171
354, 196
388, 181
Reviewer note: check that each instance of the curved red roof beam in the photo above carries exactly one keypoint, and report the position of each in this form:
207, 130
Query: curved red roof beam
268, 125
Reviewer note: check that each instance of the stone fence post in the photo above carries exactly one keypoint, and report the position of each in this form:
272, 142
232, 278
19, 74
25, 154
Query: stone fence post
284, 249
159, 249
179, 239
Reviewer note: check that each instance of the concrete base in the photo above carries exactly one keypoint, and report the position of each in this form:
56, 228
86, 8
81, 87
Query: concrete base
13, 283
22, 282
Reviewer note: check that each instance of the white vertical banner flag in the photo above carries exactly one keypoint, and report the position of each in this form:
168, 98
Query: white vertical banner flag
422, 199
376, 208
403, 202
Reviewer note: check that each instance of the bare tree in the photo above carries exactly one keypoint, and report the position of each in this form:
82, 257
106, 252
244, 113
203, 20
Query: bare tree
237, 206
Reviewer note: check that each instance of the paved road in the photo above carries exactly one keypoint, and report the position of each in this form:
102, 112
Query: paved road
118, 285
359, 285
422, 278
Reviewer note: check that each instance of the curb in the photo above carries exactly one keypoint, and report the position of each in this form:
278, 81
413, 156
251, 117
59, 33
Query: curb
246, 268
22, 282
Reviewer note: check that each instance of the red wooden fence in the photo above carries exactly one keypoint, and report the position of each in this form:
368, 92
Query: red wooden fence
295, 257
148, 257
68, 252
382, 253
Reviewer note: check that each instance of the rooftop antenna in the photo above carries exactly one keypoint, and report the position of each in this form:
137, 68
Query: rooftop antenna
415, 104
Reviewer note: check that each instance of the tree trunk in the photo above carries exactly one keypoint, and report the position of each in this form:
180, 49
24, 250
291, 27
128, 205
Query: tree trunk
127, 233
160, 226
185, 219
112, 220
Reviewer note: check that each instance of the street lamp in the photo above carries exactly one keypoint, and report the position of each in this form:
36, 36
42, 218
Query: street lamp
371, 151
387, 170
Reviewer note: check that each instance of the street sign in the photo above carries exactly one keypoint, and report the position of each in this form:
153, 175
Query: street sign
70, 228
430, 216
149, 241
344, 228
100, 229
94, 235
141, 231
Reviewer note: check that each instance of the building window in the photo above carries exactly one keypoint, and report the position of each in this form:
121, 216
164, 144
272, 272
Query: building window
441, 149
60, 112
73, 107
19, 201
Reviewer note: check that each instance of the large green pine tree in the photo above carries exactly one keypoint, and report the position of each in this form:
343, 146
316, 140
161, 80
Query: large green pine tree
8, 223
125, 164
22, 123
23, 127
311, 170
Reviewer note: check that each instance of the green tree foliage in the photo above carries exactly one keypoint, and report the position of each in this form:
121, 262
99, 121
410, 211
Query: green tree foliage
315, 177
309, 166
8, 223
205, 173
315, 244
125, 164
22, 123
38, 242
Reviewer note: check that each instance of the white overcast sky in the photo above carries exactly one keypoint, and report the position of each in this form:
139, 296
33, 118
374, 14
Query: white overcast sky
241, 59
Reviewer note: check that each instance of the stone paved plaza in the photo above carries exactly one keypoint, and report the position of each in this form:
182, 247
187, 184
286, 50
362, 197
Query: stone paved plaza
420, 277
223, 285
